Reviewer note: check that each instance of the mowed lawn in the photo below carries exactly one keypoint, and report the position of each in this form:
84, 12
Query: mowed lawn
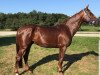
81, 58
90, 28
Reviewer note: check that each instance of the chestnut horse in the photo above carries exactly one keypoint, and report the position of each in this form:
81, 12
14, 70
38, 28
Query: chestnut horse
59, 36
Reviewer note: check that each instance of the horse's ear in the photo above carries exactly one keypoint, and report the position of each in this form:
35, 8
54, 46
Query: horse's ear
87, 6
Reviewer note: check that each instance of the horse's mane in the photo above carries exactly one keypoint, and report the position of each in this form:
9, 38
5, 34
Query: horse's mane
71, 17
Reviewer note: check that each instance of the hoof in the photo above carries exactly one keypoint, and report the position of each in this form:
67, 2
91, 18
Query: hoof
16, 74
60, 73
30, 71
26, 68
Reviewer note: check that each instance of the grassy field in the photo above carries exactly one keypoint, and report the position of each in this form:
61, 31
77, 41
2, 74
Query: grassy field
81, 58
90, 28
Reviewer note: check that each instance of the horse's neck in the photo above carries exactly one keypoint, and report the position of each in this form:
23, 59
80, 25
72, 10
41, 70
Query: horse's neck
74, 23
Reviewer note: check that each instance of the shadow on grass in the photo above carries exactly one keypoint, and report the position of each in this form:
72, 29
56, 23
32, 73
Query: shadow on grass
70, 58
4, 41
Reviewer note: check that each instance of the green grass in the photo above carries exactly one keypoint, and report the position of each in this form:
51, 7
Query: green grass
90, 28
81, 58
5, 29
85, 43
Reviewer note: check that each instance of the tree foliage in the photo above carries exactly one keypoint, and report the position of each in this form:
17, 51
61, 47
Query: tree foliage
16, 20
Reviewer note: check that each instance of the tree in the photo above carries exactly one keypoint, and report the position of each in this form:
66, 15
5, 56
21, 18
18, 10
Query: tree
16, 20
2, 20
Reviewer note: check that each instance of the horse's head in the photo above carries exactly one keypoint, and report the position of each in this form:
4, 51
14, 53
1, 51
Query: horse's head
88, 15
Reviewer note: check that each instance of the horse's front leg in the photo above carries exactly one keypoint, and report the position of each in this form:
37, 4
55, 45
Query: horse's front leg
61, 57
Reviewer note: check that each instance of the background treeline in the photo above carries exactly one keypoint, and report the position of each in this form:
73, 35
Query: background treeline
16, 20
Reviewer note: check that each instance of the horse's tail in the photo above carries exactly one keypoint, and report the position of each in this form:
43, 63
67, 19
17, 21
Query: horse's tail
20, 64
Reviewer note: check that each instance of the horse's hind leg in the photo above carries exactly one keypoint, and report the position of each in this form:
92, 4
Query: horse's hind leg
26, 57
22, 48
19, 55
